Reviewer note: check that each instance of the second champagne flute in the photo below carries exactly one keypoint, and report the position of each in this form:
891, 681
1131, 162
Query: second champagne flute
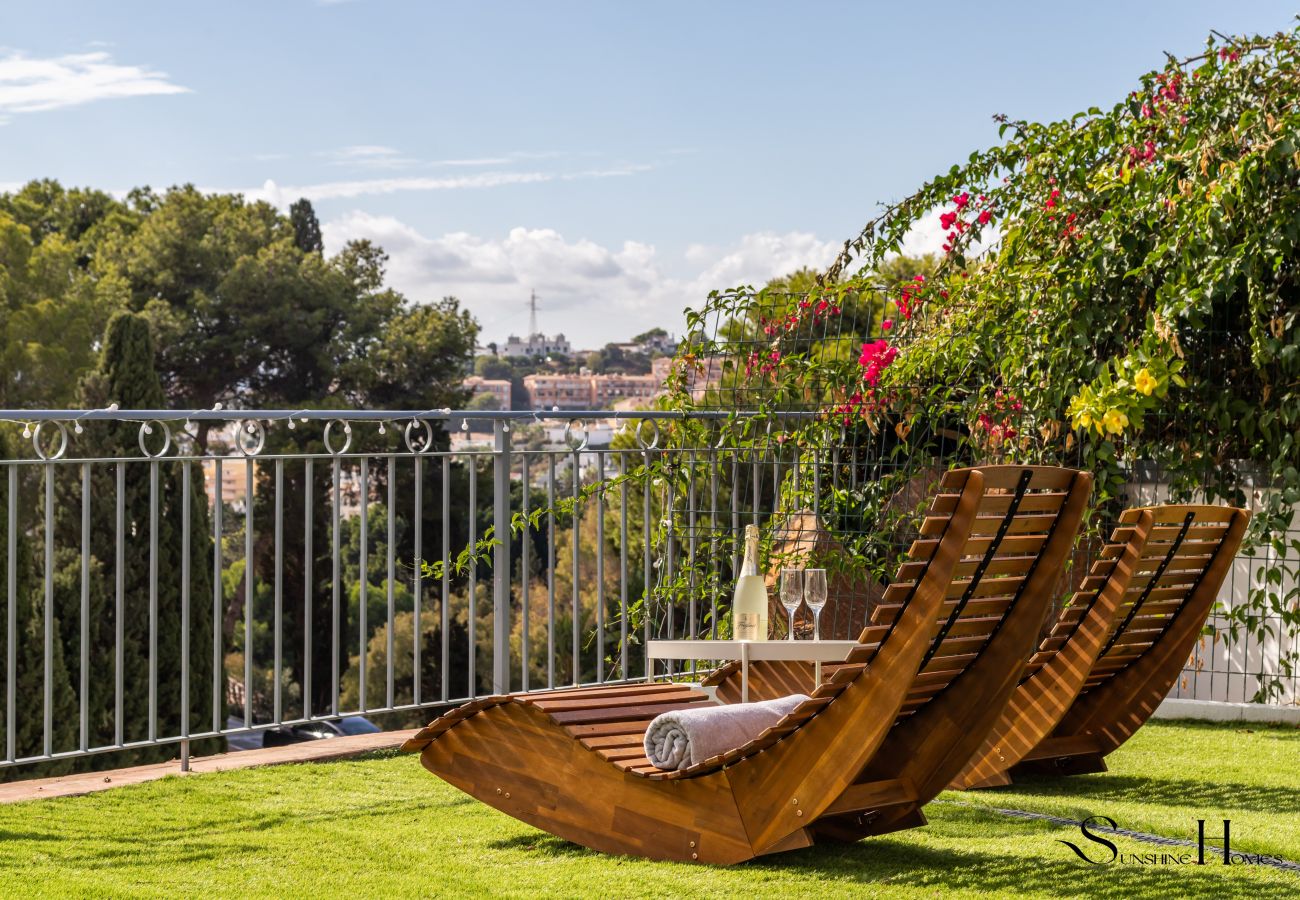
814, 594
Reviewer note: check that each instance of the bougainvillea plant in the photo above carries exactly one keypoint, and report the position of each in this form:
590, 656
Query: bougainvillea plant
1118, 287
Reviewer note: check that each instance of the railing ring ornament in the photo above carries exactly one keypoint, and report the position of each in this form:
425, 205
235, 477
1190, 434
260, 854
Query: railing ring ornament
247, 428
146, 429
347, 437
63, 440
568, 434
427, 444
654, 431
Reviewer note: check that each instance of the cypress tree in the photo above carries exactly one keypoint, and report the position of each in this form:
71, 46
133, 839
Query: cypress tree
126, 376
29, 616
306, 227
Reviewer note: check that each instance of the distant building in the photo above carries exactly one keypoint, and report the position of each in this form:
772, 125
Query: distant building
493, 387
563, 391
536, 345
606, 389
234, 482
587, 391
659, 343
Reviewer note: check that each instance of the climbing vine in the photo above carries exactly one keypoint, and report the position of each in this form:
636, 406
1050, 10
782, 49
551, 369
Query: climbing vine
1115, 288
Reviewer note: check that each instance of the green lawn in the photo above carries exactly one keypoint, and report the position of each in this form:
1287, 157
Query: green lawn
381, 826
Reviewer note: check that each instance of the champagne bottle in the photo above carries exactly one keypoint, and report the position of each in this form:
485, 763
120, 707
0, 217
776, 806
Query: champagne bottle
749, 606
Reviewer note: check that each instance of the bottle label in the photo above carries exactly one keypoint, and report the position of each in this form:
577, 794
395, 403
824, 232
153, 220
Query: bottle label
747, 625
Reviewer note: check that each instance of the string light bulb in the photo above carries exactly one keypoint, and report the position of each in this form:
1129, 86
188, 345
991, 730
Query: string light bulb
382, 429
27, 430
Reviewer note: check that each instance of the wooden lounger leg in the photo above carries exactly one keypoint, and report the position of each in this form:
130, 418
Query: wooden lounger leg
1086, 764
894, 820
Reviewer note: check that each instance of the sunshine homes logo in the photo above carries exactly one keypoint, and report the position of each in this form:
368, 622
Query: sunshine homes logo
1102, 852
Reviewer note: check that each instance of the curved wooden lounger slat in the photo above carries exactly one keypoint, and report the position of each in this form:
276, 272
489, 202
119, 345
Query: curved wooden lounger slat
1162, 571
988, 625
568, 761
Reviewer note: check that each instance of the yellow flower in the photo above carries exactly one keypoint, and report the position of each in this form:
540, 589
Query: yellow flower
1084, 420
1145, 382
1114, 421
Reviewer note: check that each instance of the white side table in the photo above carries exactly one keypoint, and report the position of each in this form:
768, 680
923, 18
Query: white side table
816, 652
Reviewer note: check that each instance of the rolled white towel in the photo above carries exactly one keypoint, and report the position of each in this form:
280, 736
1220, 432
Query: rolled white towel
685, 737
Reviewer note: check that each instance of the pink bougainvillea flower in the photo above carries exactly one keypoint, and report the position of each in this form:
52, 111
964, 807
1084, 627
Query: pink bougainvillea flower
985, 216
947, 219
887, 324
876, 357
961, 200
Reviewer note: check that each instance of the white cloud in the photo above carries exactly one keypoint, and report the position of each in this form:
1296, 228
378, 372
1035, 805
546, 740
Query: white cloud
36, 85
370, 156
485, 161
283, 195
925, 236
591, 292
364, 151
758, 257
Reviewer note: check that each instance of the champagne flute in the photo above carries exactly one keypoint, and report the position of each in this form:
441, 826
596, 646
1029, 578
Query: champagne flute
791, 593
814, 594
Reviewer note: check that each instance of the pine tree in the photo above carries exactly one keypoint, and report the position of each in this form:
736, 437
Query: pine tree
126, 376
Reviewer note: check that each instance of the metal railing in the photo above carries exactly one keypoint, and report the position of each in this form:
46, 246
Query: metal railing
224, 556
163, 569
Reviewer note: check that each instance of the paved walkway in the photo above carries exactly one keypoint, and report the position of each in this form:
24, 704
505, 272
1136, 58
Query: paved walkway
307, 751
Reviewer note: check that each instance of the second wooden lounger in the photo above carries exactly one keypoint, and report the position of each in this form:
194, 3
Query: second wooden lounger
1086, 692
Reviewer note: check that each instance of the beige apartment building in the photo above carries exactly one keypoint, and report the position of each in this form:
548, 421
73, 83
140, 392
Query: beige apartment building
608, 389
587, 391
493, 387
563, 391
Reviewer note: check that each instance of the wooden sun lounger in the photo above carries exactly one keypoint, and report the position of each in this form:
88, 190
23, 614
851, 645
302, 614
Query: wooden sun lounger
1117, 648
571, 762
990, 621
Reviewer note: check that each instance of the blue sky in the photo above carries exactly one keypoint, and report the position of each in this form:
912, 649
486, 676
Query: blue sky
620, 158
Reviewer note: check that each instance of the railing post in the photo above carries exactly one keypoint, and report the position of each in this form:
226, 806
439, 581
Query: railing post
501, 557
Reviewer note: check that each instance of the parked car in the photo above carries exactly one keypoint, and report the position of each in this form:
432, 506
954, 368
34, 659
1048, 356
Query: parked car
249, 740
315, 731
